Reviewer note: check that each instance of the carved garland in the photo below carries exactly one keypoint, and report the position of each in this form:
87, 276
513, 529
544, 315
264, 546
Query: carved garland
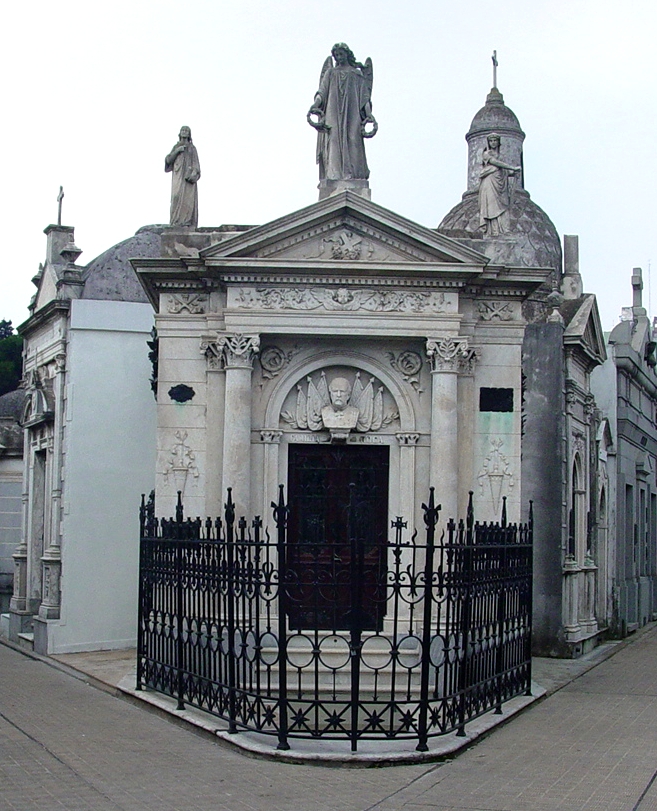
341, 300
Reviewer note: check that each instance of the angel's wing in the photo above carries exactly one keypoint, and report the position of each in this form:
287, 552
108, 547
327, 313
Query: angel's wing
368, 73
328, 63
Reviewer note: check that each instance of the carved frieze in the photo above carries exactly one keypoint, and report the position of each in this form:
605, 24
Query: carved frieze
495, 472
194, 303
342, 299
409, 365
339, 405
447, 353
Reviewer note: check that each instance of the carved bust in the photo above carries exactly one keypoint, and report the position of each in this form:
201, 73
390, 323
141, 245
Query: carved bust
339, 414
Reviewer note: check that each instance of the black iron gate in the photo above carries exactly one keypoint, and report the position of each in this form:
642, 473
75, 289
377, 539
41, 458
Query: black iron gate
450, 638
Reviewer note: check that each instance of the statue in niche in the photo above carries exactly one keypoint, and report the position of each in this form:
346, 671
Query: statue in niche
494, 195
339, 406
183, 163
341, 113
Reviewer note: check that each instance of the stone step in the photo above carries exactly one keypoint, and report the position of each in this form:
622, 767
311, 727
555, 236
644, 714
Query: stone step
26, 641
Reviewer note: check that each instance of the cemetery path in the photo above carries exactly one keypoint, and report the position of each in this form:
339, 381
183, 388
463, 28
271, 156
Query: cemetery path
590, 745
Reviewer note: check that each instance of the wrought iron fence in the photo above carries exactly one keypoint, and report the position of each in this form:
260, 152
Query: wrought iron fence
420, 638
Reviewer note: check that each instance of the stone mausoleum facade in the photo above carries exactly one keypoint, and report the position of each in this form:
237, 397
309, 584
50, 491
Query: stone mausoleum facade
341, 336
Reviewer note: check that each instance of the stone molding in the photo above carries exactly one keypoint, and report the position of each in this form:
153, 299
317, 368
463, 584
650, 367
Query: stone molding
447, 354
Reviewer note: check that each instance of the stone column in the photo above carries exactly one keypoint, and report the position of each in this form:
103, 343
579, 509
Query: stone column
51, 560
215, 494
271, 440
445, 355
467, 415
239, 352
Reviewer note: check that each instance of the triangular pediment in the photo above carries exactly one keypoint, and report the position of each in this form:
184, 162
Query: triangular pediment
585, 330
345, 228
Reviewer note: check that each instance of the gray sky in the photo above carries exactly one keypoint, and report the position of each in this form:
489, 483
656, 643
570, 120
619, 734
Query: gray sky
95, 93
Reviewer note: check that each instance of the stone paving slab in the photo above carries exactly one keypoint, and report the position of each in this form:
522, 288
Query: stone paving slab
590, 745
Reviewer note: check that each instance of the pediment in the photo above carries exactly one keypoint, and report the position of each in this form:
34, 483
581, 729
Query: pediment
345, 228
585, 329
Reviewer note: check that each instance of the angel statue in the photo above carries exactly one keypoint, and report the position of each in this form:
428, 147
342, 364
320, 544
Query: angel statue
342, 115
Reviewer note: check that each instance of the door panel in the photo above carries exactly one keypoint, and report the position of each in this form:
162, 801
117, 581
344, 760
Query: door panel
338, 499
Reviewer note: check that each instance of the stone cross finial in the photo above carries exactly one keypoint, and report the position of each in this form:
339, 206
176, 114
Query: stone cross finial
637, 287
60, 197
495, 64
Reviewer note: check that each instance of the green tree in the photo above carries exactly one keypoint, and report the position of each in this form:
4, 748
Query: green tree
11, 358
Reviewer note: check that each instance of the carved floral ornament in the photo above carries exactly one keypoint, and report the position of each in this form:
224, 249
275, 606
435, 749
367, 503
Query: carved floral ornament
409, 365
226, 351
342, 299
339, 405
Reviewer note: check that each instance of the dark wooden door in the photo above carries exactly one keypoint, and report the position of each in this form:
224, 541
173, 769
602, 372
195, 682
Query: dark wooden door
337, 531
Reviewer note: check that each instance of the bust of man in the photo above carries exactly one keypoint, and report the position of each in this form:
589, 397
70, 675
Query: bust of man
340, 414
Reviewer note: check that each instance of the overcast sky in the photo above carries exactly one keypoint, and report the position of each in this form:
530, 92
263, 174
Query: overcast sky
95, 93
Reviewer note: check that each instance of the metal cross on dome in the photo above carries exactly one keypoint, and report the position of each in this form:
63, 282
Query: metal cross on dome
495, 64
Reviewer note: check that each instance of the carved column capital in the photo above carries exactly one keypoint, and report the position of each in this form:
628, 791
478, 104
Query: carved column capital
230, 351
407, 439
271, 437
447, 354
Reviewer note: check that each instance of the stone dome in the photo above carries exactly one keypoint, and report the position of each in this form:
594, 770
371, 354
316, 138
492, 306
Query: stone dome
495, 116
532, 240
110, 276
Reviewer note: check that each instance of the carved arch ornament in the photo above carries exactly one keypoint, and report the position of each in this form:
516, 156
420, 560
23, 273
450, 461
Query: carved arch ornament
346, 364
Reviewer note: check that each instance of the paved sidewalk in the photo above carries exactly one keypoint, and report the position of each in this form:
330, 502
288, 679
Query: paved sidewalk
590, 745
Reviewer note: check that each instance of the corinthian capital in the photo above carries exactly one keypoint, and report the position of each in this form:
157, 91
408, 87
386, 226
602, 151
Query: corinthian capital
447, 354
230, 351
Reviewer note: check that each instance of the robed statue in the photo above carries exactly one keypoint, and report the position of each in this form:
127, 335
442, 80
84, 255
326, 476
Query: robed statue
183, 163
342, 115
494, 193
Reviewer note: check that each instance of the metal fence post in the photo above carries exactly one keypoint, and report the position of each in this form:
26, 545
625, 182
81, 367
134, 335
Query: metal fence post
431, 512
229, 514
180, 597
465, 615
280, 516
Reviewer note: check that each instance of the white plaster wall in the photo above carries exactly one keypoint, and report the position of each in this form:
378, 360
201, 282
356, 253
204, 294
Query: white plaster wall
109, 462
